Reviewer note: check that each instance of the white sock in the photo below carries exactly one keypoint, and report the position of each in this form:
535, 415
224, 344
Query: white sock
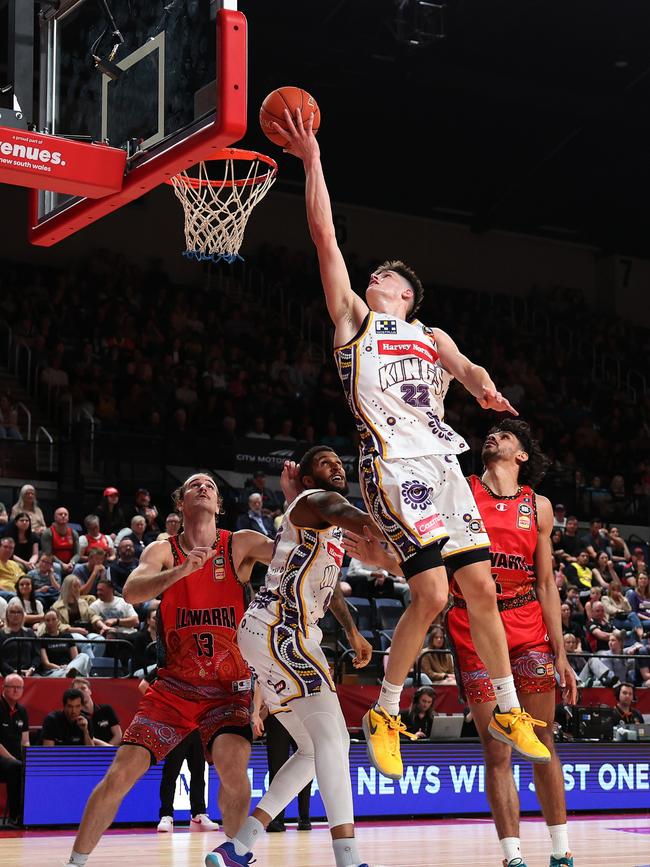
345, 852
77, 858
389, 696
511, 848
506, 694
247, 835
559, 840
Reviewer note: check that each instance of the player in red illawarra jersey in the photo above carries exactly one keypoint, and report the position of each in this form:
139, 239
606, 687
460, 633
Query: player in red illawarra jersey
203, 682
519, 524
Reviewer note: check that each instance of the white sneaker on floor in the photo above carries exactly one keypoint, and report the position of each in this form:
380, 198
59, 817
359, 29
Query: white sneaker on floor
202, 822
166, 824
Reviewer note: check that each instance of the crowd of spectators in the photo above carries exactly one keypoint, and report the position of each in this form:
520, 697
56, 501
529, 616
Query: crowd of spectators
143, 355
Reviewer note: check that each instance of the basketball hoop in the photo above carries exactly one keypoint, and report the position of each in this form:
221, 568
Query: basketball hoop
217, 211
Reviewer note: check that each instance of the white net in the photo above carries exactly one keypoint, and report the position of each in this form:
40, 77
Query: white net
217, 211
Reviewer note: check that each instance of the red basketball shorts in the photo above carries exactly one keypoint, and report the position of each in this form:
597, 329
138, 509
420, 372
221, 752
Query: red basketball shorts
528, 644
171, 710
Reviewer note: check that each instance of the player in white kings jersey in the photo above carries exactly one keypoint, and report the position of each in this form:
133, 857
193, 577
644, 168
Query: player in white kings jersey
280, 640
395, 372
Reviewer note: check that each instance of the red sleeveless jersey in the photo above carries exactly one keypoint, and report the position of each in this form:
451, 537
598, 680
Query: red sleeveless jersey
511, 524
198, 619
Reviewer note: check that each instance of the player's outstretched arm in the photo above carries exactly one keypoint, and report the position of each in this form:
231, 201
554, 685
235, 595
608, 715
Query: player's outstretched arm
362, 648
549, 598
475, 378
369, 550
153, 574
347, 310
250, 547
329, 509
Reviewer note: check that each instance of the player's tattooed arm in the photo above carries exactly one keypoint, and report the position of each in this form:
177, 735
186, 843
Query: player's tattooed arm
329, 509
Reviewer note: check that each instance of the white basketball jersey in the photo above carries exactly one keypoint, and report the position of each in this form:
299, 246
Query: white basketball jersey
302, 575
396, 386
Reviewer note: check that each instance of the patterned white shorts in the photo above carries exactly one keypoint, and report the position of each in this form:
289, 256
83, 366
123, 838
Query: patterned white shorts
421, 501
287, 664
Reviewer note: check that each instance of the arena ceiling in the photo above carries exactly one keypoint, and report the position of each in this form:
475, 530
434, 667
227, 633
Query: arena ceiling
530, 115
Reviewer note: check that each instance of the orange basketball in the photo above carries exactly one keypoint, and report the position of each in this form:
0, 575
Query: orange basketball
273, 107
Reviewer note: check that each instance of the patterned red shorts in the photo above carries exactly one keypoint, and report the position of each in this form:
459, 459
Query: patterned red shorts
531, 657
171, 710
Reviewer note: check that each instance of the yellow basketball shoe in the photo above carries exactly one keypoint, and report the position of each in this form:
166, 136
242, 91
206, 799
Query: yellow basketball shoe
515, 728
382, 733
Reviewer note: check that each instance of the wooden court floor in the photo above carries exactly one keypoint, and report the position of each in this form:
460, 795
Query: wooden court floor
609, 841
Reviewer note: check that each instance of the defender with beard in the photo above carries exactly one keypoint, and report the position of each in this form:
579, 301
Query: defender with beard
280, 640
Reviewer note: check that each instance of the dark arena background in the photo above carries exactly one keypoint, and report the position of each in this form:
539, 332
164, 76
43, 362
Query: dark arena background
499, 148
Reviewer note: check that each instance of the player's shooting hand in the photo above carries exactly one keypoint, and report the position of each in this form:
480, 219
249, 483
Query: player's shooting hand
567, 680
300, 139
362, 649
197, 558
493, 399
290, 481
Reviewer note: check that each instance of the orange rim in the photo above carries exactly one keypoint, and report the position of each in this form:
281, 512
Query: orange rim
232, 154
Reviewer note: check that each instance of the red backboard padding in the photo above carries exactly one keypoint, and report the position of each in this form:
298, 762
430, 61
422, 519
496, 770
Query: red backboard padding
48, 162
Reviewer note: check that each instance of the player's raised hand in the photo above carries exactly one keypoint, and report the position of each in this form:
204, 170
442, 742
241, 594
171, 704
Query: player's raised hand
362, 649
493, 399
300, 139
290, 481
197, 558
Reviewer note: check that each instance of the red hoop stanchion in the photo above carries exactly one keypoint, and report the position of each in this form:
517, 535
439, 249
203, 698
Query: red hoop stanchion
217, 211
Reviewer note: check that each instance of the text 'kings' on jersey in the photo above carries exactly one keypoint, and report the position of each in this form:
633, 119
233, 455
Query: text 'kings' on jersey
511, 524
302, 576
396, 386
198, 619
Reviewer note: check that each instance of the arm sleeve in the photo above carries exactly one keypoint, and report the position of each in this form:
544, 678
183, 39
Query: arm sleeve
46, 541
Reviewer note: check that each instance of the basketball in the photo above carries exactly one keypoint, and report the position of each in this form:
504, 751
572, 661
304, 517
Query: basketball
273, 107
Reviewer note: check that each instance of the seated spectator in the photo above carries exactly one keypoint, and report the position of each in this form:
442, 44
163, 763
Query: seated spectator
618, 546
595, 540
90, 572
569, 624
117, 618
45, 580
10, 571
61, 541
14, 737
59, 655
172, 526
255, 519
20, 656
623, 669
67, 727
270, 500
124, 565
144, 656
135, 533
4, 516
638, 564
94, 538
639, 599
599, 628
25, 542
141, 503
3, 611
112, 516
105, 727
151, 530
438, 667
573, 649
9, 429
623, 710
577, 608
559, 517
32, 606
76, 617
604, 571
595, 595
570, 544
373, 582
620, 611
27, 502
258, 431
580, 574
419, 716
